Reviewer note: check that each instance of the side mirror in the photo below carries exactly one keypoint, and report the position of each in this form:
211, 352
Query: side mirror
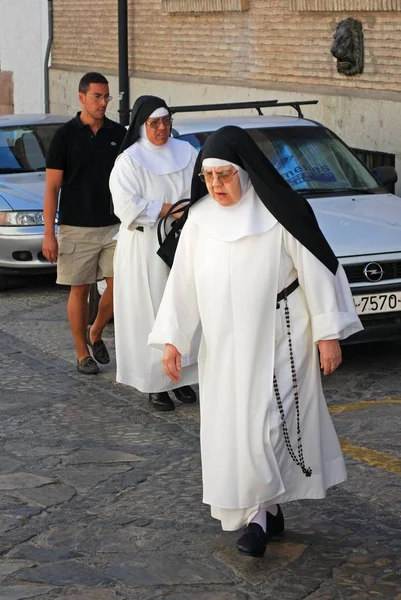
386, 175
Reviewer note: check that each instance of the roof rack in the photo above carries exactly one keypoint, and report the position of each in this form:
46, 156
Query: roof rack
257, 105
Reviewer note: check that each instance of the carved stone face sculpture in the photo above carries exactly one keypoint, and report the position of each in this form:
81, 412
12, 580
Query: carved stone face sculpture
347, 47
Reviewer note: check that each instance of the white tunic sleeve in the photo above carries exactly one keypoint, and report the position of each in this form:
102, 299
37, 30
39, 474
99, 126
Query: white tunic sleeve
178, 316
125, 189
328, 296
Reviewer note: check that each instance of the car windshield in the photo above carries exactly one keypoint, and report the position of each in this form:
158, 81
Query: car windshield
311, 159
23, 148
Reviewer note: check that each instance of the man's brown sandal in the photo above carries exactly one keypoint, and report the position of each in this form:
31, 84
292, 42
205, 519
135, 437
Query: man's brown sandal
99, 349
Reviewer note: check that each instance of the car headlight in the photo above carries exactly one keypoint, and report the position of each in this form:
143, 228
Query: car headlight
23, 218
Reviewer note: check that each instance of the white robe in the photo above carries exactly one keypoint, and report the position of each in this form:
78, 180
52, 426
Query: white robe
232, 288
140, 275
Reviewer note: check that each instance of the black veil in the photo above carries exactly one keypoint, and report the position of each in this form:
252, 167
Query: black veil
141, 111
290, 208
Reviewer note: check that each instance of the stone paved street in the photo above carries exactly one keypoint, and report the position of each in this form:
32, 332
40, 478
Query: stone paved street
101, 497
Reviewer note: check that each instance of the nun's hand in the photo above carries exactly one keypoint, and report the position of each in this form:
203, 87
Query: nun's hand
172, 362
330, 355
164, 210
177, 215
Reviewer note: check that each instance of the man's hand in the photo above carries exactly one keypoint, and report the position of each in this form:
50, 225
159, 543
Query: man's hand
50, 247
330, 355
54, 179
172, 362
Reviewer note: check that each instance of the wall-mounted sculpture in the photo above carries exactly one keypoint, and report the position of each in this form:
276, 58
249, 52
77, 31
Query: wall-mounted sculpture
347, 47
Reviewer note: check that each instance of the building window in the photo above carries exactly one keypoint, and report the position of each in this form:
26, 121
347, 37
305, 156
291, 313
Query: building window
201, 6
345, 5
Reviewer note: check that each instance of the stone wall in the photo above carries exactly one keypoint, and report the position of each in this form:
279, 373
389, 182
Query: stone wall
260, 43
85, 34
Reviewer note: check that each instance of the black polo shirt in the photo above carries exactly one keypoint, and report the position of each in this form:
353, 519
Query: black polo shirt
86, 160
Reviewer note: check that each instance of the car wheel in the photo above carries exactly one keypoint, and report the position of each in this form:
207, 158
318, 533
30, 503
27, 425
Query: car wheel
93, 302
3, 283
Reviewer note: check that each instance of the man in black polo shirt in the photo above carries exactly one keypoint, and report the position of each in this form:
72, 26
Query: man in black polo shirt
80, 158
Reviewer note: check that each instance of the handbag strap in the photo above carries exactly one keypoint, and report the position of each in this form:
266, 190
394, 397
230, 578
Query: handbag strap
174, 209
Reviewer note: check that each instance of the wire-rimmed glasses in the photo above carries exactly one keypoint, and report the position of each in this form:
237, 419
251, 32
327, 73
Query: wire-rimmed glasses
207, 176
155, 123
100, 97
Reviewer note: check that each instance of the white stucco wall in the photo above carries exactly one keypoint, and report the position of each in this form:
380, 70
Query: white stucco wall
23, 41
362, 122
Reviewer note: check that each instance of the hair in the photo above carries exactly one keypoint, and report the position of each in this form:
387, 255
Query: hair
89, 78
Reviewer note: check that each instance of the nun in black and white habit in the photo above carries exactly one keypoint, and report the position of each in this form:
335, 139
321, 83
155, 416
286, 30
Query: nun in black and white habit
272, 301
152, 172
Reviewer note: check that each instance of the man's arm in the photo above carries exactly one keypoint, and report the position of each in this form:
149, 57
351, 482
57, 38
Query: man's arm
54, 179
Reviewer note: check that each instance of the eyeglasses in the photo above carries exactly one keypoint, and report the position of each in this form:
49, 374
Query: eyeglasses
207, 176
155, 123
99, 97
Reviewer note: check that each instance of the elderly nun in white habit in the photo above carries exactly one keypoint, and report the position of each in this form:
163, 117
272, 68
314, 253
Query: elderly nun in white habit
254, 267
152, 172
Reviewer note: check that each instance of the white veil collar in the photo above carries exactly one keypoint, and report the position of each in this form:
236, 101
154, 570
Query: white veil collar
247, 217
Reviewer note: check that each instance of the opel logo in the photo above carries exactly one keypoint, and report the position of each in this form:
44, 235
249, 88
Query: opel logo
373, 271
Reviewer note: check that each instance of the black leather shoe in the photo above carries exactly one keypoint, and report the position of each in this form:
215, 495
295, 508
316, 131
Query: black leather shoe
161, 401
275, 524
185, 394
254, 541
99, 350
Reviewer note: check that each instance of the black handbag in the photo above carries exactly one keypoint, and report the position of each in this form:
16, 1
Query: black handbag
168, 240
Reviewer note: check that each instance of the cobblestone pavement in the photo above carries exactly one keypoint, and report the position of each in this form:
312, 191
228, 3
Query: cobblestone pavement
101, 497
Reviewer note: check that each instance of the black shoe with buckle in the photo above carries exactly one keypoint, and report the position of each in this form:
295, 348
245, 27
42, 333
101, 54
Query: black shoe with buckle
87, 366
161, 402
275, 523
254, 541
185, 394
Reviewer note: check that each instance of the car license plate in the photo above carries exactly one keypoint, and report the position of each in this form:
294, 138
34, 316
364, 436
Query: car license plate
377, 303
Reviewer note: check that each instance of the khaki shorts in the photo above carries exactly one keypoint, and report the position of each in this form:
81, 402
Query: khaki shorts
85, 254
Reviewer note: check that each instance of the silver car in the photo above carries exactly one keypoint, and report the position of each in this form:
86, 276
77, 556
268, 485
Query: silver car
24, 140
